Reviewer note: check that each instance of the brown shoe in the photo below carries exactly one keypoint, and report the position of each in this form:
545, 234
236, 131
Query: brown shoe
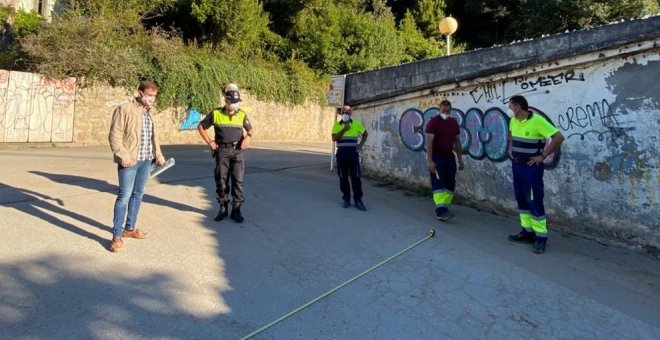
135, 233
116, 244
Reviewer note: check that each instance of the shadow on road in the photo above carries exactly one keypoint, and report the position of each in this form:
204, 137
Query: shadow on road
44, 207
104, 186
297, 243
53, 297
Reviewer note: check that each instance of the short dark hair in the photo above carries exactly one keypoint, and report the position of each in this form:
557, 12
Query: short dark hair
445, 103
147, 84
520, 100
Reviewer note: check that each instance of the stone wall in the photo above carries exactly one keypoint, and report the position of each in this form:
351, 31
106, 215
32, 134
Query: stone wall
604, 181
272, 121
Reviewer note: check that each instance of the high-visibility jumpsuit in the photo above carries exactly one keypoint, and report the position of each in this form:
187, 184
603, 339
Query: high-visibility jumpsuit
528, 140
348, 160
443, 181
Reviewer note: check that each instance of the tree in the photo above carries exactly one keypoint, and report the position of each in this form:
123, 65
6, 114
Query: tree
416, 46
577, 14
340, 37
282, 14
489, 22
428, 14
239, 23
94, 46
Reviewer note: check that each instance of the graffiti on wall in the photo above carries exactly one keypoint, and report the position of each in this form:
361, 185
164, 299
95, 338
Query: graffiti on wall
483, 134
599, 119
548, 80
596, 118
193, 117
35, 108
501, 92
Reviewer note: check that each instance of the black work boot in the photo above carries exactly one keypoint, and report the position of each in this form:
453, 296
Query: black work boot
523, 237
236, 215
539, 245
222, 213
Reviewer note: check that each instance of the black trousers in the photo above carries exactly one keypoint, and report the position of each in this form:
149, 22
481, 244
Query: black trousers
348, 167
229, 166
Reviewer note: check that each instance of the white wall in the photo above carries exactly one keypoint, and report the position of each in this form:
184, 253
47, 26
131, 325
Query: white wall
605, 180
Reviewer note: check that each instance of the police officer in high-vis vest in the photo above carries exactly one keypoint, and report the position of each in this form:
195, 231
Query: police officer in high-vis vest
528, 132
233, 133
350, 136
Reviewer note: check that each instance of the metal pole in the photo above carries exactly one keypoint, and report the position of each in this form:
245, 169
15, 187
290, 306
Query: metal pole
332, 152
448, 44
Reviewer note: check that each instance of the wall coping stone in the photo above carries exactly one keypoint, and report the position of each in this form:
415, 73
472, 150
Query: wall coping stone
392, 81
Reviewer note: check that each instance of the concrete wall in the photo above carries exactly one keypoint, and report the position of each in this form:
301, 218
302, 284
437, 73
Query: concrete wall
604, 182
392, 81
271, 121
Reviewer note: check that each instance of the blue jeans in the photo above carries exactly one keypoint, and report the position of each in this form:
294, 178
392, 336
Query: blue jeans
131, 189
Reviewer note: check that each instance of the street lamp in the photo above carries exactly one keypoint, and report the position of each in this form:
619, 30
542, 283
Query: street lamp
448, 26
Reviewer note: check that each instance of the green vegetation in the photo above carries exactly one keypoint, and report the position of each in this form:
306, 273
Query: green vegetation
488, 22
279, 50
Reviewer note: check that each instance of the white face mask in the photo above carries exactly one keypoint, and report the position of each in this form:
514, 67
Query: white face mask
510, 112
148, 100
444, 115
345, 117
234, 107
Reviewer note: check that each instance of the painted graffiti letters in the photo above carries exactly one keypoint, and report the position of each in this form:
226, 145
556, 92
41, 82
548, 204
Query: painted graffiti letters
34, 108
495, 134
549, 80
598, 118
411, 129
481, 134
473, 124
464, 135
430, 102
487, 134
584, 116
489, 92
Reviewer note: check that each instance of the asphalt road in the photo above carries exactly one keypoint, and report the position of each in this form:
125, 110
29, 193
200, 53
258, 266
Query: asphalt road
197, 278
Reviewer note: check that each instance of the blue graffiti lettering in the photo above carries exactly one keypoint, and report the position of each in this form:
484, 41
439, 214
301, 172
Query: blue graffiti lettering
482, 134
410, 129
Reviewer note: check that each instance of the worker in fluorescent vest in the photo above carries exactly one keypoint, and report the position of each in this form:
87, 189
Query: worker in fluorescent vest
527, 135
442, 141
350, 136
233, 133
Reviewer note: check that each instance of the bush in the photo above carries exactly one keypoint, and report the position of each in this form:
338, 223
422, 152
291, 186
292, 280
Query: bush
6, 12
101, 49
194, 76
15, 25
26, 23
94, 50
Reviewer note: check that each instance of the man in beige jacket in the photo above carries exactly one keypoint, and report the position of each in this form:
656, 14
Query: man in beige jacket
135, 146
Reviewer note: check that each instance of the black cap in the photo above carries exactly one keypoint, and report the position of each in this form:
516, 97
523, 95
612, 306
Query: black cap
233, 96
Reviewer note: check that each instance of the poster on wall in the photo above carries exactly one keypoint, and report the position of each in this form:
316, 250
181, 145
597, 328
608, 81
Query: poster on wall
336, 93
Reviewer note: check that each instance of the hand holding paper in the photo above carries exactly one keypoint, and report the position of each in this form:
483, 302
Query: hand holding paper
157, 170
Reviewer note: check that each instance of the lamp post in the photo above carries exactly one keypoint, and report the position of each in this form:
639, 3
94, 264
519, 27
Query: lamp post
448, 26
